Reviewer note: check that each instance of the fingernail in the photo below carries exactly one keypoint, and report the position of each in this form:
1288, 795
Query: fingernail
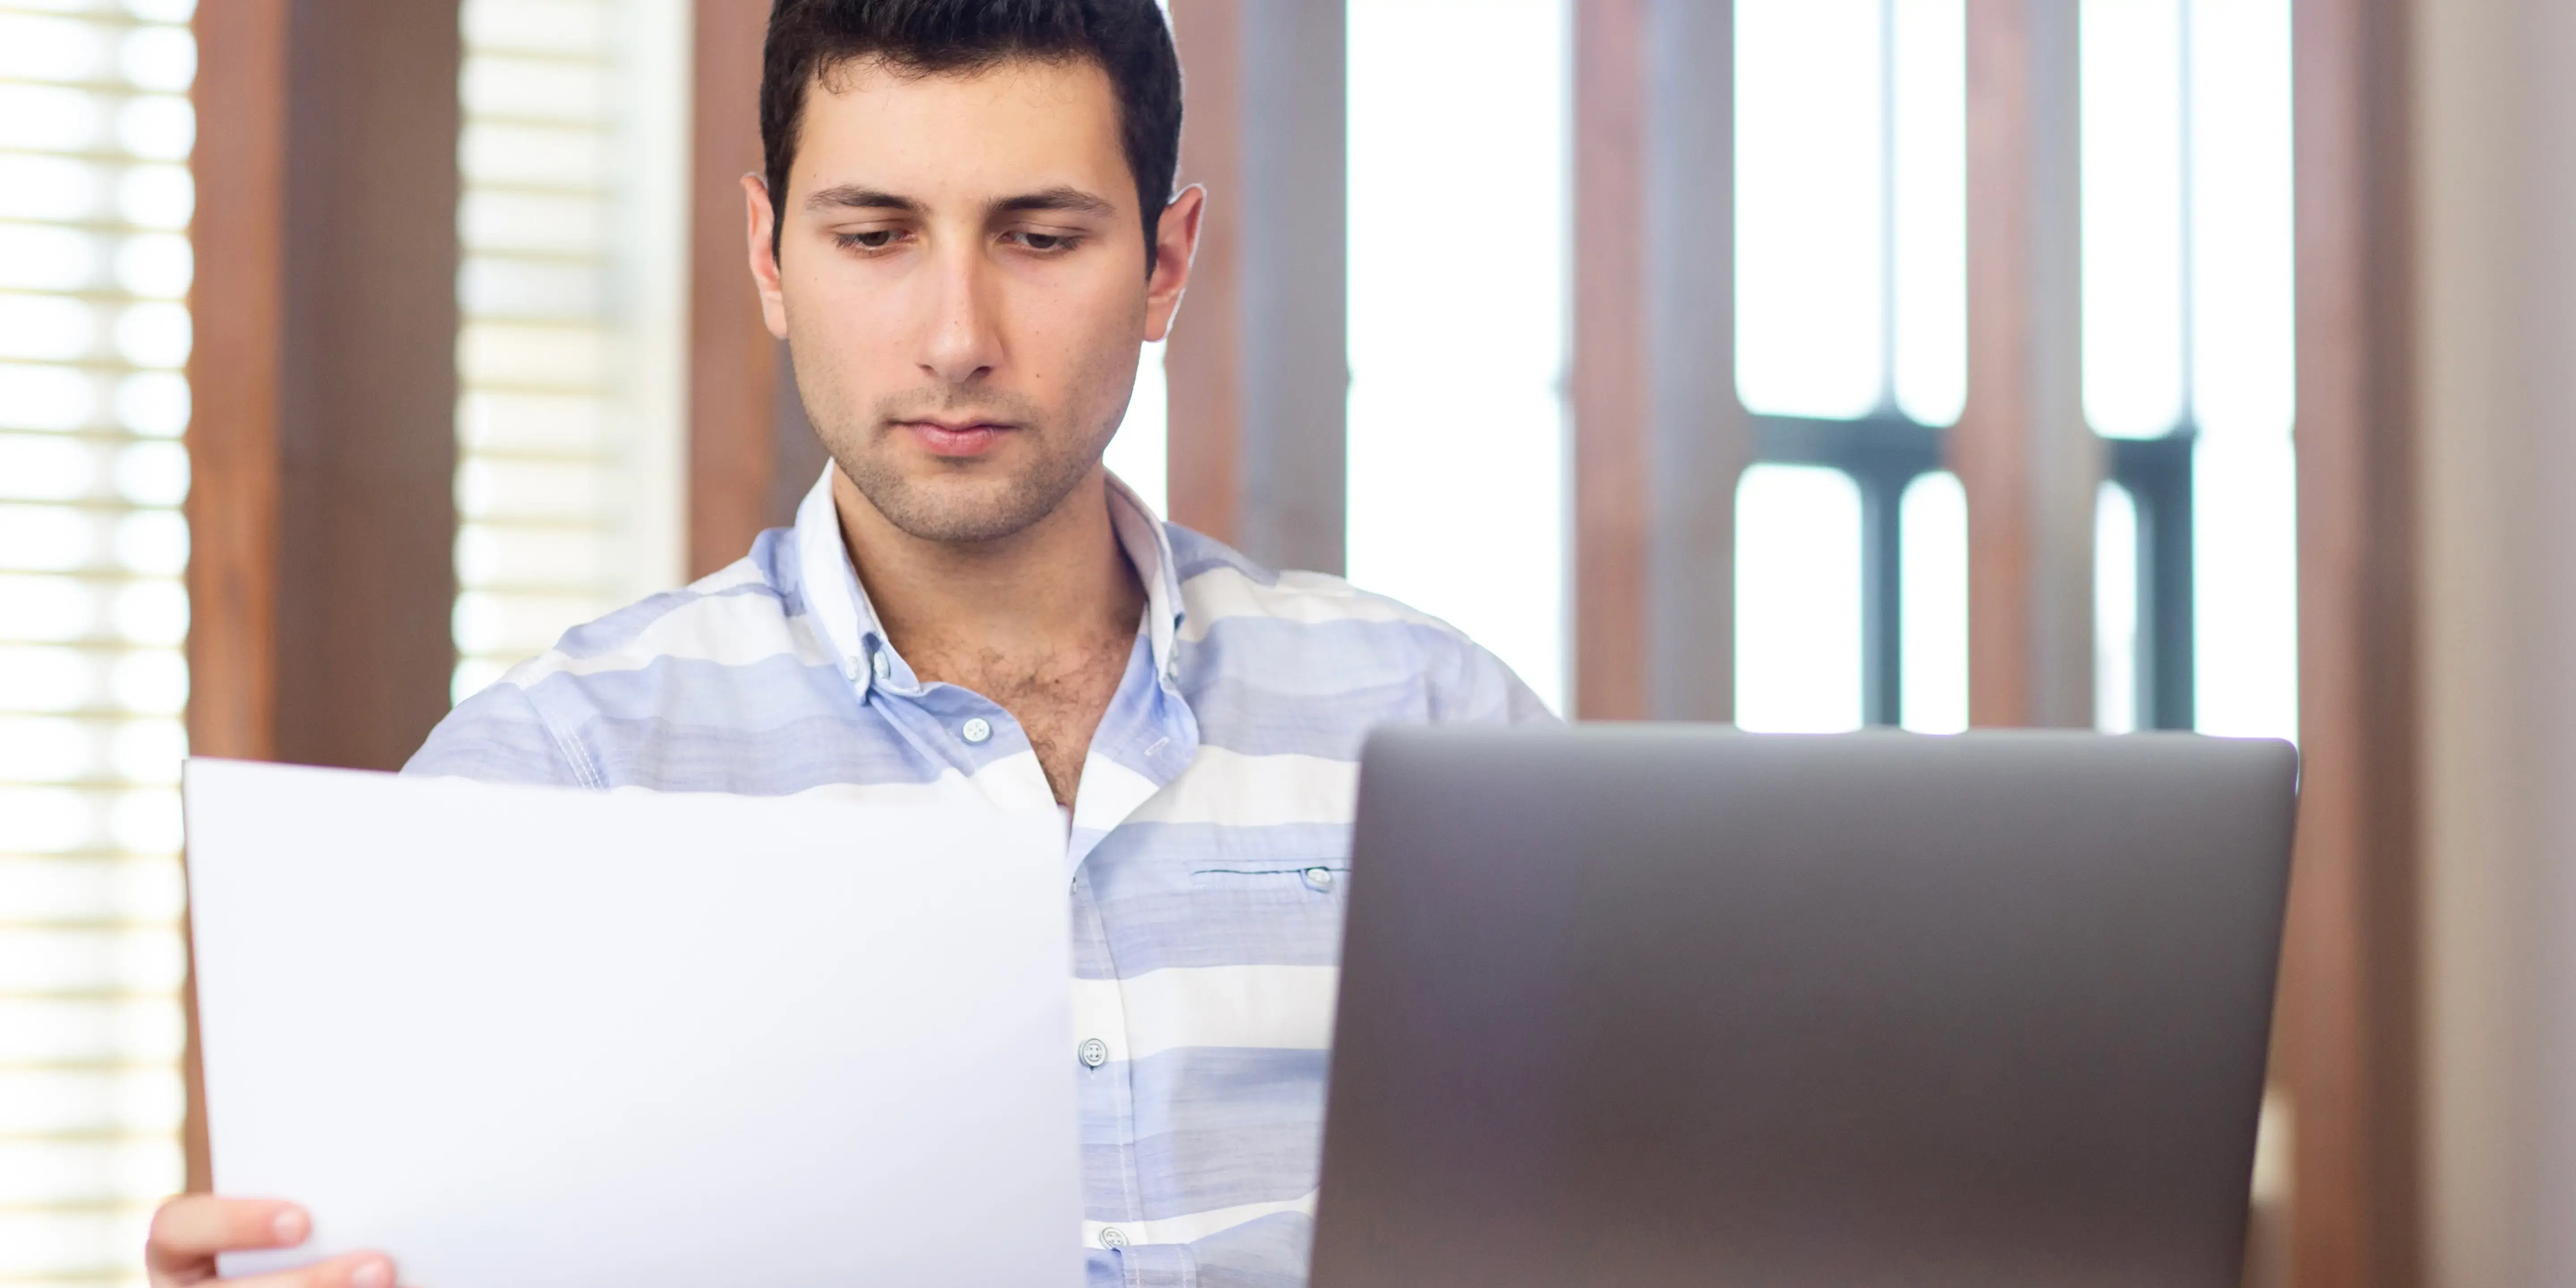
372, 1274
291, 1225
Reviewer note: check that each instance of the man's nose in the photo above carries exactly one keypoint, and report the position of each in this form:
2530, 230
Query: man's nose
961, 343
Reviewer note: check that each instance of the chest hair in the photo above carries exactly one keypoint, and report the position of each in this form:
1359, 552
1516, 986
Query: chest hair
1058, 697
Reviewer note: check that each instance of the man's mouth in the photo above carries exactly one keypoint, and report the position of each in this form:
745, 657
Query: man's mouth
955, 438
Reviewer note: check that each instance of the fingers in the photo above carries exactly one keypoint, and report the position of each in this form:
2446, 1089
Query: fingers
189, 1230
194, 1227
355, 1270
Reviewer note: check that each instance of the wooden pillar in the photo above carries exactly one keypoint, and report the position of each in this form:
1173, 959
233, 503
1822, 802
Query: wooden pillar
1611, 367
2489, 222
1660, 438
1699, 438
323, 444
1203, 362
751, 453
2022, 451
2346, 1044
323, 439
1258, 362
735, 371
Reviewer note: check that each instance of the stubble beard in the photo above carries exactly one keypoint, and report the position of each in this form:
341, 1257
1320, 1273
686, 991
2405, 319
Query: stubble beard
972, 501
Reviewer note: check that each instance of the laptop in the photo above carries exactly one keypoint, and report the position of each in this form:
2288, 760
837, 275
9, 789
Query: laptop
1653, 1004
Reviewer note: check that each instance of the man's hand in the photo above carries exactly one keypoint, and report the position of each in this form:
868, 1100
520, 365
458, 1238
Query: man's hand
189, 1230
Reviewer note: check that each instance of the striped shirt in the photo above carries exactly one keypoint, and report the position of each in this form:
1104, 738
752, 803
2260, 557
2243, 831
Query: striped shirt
1207, 851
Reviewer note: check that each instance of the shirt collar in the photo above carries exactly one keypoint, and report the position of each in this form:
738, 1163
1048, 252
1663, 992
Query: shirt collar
840, 604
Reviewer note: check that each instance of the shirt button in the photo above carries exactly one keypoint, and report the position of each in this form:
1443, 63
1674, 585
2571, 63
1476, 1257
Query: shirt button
883, 667
1112, 1237
1319, 878
1095, 1053
976, 729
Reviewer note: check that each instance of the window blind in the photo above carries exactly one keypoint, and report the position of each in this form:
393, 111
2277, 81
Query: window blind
95, 197
572, 290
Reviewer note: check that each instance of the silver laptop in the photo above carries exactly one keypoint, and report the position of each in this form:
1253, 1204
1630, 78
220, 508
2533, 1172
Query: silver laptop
1647, 1005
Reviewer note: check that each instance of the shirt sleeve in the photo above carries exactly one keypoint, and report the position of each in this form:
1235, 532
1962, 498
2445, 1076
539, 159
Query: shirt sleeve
1481, 689
496, 736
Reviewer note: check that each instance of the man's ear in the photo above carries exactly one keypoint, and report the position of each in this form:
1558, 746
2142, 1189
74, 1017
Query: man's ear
761, 218
1176, 244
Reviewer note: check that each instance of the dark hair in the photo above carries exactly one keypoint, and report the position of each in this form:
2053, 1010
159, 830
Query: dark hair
1127, 38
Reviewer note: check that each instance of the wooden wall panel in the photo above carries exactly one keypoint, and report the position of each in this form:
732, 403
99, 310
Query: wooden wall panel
2347, 1035
1258, 361
736, 368
2490, 218
1294, 256
1203, 361
2022, 451
367, 411
1611, 397
323, 443
1660, 438
239, 301
1698, 437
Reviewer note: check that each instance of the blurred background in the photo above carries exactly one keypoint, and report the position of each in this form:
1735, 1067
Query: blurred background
1810, 364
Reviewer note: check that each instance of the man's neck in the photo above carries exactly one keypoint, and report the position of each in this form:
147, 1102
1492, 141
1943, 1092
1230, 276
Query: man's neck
1061, 583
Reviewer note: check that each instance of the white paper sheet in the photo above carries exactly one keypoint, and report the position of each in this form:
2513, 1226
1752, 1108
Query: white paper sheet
515, 1035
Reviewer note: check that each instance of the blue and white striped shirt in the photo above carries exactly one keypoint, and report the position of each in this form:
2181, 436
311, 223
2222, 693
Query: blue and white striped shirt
1207, 853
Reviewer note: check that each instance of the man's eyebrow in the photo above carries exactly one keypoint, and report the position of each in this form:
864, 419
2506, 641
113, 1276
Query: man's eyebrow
1061, 197
854, 196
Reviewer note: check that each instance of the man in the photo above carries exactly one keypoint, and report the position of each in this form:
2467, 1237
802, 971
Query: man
948, 236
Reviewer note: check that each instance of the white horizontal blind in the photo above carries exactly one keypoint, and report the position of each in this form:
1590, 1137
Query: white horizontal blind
570, 358
95, 197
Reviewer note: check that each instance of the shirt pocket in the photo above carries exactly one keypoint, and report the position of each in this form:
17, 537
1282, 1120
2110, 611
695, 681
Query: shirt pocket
1323, 876
1285, 913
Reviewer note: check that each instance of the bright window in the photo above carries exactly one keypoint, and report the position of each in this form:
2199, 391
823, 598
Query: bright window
1138, 455
1851, 353
2189, 330
95, 198
1810, 209
1797, 600
2244, 370
2134, 252
1457, 323
2116, 646
1934, 516
571, 355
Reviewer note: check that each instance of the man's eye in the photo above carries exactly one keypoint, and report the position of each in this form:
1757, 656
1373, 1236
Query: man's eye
873, 239
1047, 241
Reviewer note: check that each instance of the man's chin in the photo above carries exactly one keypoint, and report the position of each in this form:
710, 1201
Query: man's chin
958, 506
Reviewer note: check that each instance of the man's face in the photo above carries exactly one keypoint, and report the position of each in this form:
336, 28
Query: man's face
962, 285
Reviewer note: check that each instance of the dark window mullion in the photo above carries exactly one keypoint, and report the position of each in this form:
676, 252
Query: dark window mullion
2158, 474
1882, 597
1881, 455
